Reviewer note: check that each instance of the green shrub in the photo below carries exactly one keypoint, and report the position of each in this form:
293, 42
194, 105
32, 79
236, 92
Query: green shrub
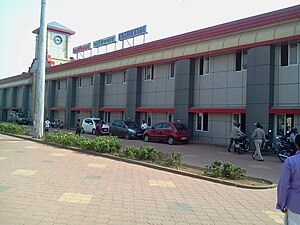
13, 128
99, 144
173, 159
227, 170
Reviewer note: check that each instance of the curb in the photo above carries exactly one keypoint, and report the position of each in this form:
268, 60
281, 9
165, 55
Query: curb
149, 165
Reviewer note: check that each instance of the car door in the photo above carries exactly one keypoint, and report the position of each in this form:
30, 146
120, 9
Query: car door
154, 133
166, 131
88, 124
115, 128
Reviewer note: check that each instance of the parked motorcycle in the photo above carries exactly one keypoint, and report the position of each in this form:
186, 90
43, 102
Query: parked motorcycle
285, 147
242, 144
268, 145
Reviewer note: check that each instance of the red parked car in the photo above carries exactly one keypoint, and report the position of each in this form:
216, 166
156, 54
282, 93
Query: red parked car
167, 131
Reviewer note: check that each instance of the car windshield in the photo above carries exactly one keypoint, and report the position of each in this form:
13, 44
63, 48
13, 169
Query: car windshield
96, 121
130, 124
180, 126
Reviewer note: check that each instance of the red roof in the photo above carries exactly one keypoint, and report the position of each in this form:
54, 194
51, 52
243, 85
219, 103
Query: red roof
226, 28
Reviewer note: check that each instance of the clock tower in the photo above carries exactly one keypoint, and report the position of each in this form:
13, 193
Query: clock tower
57, 45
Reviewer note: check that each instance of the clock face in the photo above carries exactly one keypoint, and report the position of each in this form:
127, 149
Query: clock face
57, 40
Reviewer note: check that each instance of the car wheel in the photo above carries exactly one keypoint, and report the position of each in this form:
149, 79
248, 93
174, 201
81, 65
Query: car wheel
146, 138
170, 140
93, 131
127, 136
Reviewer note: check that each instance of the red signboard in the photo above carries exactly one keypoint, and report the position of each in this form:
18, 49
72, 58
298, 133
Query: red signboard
82, 48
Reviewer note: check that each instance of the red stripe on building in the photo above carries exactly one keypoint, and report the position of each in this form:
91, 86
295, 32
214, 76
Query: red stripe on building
81, 109
103, 109
284, 111
164, 110
217, 110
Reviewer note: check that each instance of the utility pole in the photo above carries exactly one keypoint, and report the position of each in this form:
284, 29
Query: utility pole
40, 79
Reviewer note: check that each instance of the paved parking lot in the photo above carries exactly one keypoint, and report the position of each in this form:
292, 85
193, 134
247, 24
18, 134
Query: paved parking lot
40, 184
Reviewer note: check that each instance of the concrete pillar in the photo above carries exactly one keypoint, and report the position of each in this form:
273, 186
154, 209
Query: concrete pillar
133, 93
70, 102
184, 91
25, 100
97, 94
260, 86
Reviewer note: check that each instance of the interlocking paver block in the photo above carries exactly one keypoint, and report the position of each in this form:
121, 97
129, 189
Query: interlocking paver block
97, 165
31, 147
2, 157
277, 216
93, 177
3, 188
75, 198
24, 172
179, 206
162, 183
57, 154
48, 161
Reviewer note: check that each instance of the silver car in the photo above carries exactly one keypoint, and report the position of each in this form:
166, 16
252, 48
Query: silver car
89, 126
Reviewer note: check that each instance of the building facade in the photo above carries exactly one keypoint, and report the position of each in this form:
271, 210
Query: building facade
245, 71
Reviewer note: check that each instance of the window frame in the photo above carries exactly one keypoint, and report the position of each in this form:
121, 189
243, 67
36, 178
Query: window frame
108, 79
168, 116
286, 52
171, 70
80, 82
149, 76
203, 66
204, 122
91, 80
107, 117
124, 76
149, 118
241, 60
58, 85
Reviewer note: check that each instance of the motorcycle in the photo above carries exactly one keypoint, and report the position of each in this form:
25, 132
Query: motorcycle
242, 144
268, 145
285, 147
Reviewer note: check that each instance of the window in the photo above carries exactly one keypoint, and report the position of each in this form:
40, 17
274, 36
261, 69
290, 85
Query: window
288, 54
172, 70
58, 85
124, 76
149, 72
202, 121
91, 80
170, 117
166, 126
158, 126
241, 60
202, 65
108, 78
107, 117
80, 82
148, 118
284, 123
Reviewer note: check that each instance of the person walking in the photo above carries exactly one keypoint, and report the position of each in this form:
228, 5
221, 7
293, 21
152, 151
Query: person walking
144, 125
99, 127
258, 136
47, 125
288, 188
78, 127
235, 133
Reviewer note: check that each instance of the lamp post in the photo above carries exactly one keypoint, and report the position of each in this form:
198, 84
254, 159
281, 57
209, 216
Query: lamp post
40, 79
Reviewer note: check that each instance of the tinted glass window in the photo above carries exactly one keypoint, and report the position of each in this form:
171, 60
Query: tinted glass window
116, 123
88, 121
96, 121
158, 126
166, 126
179, 126
130, 124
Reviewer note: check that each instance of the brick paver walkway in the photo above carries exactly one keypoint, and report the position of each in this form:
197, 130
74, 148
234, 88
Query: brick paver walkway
40, 184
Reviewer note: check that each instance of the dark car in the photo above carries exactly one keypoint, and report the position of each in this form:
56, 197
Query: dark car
126, 128
168, 132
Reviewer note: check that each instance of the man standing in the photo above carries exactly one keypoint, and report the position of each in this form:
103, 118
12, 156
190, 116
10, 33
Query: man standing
78, 127
235, 133
47, 125
258, 136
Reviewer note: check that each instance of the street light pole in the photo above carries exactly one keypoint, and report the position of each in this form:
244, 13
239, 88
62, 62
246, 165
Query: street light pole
40, 79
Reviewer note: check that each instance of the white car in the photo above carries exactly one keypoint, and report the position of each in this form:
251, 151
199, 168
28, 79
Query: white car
89, 126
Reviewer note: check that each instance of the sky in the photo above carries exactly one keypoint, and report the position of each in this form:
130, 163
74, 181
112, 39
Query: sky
97, 19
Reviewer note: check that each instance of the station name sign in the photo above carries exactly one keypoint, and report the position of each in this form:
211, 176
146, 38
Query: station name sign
133, 33
82, 48
104, 41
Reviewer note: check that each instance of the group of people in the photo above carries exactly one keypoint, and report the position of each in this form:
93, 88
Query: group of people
288, 190
258, 136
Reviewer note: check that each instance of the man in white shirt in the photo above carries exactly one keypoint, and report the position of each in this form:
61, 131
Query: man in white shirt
47, 125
